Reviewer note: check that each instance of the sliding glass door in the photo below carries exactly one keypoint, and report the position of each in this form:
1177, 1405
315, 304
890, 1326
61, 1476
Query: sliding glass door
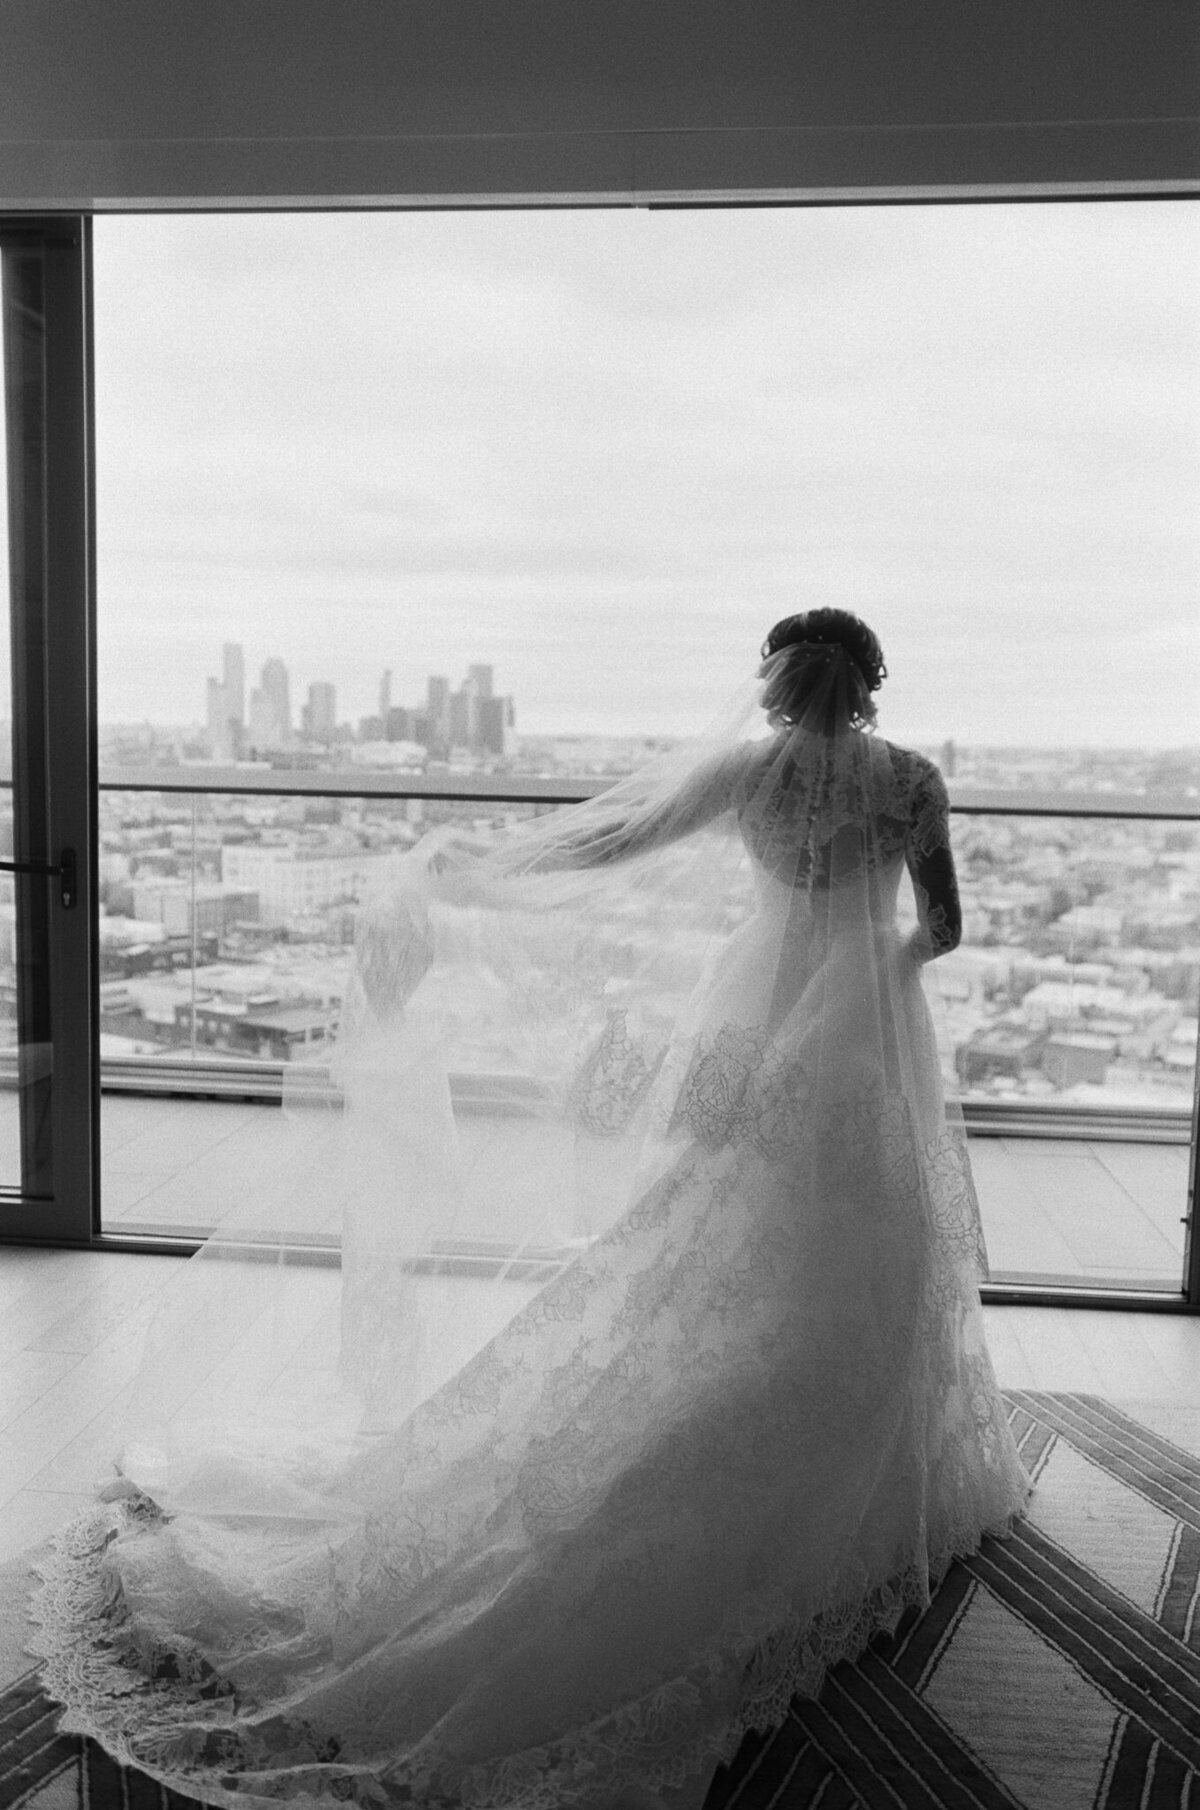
47, 1059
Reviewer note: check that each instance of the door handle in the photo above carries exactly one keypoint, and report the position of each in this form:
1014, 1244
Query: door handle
65, 870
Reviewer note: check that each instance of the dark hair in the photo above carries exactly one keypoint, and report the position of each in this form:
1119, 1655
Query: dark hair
791, 694
837, 628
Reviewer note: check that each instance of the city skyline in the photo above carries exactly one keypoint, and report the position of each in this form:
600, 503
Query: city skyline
475, 718
330, 728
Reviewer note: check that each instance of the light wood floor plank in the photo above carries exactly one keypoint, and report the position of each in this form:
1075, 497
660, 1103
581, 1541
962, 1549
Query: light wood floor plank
1009, 1359
33, 1516
60, 1409
25, 1376
1053, 1348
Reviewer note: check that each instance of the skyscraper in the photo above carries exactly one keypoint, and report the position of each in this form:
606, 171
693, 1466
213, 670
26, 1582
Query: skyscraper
437, 691
320, 713
225, 705
270, 708
477, 719
215, 720
474, 719
461, 705
233, 666
275, 684
493, 717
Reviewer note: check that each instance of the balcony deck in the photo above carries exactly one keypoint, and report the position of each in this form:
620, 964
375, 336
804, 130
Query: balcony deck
1070, 1210
1074, 1210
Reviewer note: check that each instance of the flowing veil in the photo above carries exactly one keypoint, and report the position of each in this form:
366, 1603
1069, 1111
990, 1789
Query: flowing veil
603, 1357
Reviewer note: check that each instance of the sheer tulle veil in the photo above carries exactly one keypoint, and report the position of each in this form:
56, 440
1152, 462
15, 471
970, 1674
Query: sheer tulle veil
523, 1013
609, 1306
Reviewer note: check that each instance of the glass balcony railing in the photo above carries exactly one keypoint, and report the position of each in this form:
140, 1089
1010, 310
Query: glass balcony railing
228, 908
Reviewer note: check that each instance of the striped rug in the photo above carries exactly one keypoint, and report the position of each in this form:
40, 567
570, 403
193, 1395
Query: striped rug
1058, 1670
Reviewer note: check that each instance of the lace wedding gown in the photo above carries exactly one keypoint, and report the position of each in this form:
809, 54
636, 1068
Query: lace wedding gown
736, 1435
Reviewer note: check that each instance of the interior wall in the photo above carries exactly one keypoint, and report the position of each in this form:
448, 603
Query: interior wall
143, 103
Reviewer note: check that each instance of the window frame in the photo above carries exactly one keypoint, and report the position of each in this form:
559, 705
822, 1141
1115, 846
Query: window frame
56, 720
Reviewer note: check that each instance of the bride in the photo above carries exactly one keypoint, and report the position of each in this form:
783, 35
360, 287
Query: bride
601, 1359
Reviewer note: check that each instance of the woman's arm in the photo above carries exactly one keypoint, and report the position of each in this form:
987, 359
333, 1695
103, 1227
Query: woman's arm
931, 865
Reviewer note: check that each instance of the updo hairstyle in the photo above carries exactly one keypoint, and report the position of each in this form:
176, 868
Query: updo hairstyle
799, 691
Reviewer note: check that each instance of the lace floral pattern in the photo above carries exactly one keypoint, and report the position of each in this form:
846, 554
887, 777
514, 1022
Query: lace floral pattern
847, 817
929, 802
614, 1079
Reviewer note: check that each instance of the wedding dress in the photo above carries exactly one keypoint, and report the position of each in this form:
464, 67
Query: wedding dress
520, 1472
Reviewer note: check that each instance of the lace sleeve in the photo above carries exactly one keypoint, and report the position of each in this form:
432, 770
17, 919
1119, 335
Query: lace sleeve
929, 816
931, 865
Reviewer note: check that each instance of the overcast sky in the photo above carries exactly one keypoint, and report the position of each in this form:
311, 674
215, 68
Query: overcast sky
605, 450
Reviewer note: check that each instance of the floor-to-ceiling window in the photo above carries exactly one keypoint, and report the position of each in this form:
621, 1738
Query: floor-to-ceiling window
398, 510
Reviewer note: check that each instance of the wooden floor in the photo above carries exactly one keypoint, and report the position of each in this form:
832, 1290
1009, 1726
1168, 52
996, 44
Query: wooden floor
71, 1324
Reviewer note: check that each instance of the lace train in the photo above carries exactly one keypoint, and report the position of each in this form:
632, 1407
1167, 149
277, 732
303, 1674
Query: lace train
96, 1664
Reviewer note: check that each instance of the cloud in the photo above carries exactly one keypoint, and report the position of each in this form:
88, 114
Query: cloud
605, 450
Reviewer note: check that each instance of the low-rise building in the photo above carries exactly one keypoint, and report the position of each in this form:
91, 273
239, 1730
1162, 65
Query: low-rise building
268, 1029
184, 909
999, 1050
293, 883
1177, 1050
1070, 1057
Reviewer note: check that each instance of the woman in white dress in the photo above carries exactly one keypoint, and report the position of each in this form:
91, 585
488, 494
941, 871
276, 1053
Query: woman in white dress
558, 1543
